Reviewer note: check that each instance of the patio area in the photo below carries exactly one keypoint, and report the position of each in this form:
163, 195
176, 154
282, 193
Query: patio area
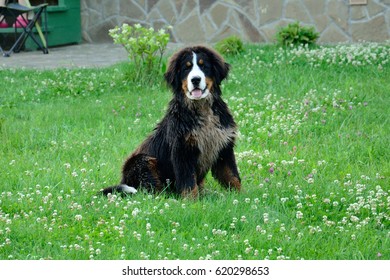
71, 56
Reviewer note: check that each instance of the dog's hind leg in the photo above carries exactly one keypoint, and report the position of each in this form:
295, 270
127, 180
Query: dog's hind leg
139, 170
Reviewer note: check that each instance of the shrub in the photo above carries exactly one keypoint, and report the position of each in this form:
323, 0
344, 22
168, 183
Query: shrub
145, 48
230, 46
295, 34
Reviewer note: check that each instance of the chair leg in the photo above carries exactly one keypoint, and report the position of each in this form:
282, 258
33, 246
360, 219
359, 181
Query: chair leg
28, 32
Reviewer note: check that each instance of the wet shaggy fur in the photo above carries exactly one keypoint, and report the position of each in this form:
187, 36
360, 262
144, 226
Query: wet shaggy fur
196, 135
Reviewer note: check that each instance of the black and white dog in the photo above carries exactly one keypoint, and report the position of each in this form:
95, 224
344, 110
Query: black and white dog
196, 135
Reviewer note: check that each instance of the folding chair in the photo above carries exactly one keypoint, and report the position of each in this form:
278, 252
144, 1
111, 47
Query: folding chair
17, 15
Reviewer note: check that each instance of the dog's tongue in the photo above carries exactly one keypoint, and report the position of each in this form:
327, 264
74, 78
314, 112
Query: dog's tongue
197, 93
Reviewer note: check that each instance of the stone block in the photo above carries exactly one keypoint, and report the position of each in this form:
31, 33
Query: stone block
204, 5
371, 30
270, 10
358, 12
167, 10
190, 30
316, 7
338, 12
333, 34
387, 19
250, 9
130, 10
374, 8
148, 4
225, 32
94, 17
249, 29
178, 4
296, 11
219, 14
209, 27
110, 9
187, 8
321, 22
153, 15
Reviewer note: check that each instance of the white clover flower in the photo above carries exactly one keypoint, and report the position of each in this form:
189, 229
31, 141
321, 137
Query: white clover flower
354, 219
326, 200
135, 212
299, 215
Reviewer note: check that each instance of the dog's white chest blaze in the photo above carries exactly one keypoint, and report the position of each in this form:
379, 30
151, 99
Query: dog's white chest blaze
210, 138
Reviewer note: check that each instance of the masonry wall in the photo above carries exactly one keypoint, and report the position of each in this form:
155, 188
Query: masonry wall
207, 21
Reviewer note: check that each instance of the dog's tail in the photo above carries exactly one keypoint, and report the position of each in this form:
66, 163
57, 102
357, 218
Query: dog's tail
122, 189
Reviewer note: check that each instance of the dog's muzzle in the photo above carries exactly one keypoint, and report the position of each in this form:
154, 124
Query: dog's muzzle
197, 92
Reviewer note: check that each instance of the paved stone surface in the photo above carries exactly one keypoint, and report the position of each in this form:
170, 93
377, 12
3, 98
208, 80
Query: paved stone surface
73, 56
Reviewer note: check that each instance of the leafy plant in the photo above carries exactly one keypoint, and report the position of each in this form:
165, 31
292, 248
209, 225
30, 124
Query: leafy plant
145, 48
231, 45
295, 34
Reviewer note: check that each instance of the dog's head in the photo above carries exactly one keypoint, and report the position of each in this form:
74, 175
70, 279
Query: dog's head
196, 72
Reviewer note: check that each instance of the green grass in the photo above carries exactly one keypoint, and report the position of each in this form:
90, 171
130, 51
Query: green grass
313, 155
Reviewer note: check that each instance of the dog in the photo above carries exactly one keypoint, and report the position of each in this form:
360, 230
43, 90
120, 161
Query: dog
196, 135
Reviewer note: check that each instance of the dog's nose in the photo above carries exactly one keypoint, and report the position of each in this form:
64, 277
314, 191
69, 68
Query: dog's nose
196, 81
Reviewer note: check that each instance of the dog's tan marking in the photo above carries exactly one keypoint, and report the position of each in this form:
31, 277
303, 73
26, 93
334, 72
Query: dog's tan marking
209, 84
191, 193
184, 86
226, 176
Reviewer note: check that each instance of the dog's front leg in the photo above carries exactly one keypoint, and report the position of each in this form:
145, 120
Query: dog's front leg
184, 161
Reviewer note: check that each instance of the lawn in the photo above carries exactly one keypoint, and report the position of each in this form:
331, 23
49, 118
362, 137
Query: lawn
313, 154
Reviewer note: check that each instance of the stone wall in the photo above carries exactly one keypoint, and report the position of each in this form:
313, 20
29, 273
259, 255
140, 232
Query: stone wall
207, 21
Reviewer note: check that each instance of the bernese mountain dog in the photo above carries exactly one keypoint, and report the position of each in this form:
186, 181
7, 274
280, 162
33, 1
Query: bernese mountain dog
196, 135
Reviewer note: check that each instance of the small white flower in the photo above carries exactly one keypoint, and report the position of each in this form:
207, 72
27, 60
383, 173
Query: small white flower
299, 215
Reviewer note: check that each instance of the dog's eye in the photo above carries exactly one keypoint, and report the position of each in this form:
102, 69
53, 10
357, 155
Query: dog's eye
188, 64
200, 62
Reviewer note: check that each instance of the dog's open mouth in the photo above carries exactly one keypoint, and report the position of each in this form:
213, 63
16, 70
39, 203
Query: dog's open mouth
197, 93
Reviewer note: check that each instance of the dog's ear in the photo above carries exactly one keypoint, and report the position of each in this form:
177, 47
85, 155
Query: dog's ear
172, 74
221, 68
221, 71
